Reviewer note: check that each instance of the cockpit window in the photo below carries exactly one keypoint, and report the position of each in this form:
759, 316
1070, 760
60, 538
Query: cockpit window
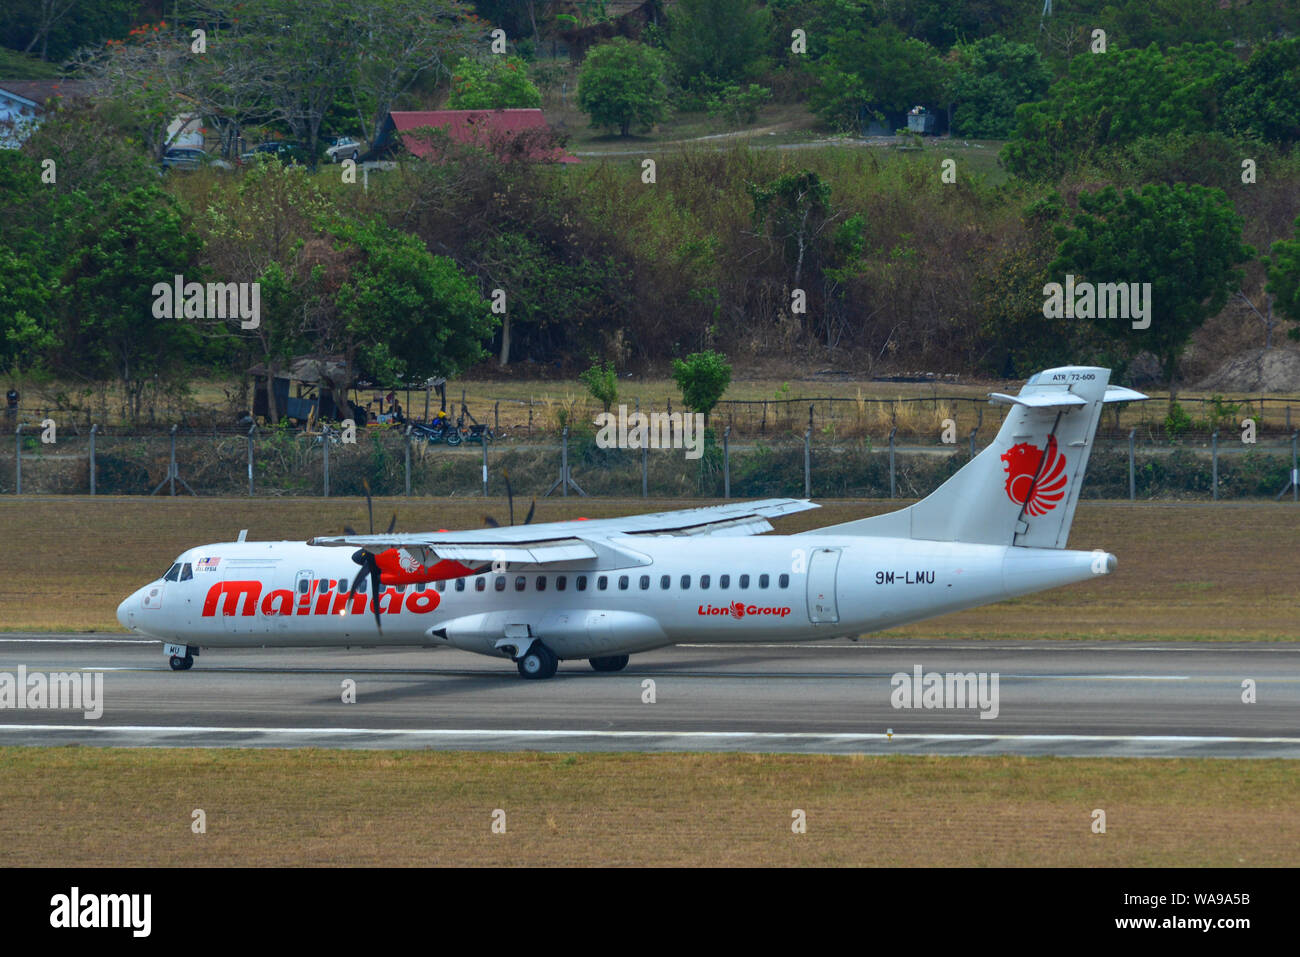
173, 573
187, 572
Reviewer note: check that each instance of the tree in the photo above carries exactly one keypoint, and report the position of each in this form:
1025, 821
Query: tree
392, 307
601, 381
500, 83
1283, 269
1184, 240
875, 69
702, 377
109, 327
621, 83
1113, 99
795, 207
993, 77
718, 39
1262, 97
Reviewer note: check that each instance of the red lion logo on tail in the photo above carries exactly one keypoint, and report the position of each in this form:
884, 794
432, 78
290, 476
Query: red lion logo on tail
1022, 462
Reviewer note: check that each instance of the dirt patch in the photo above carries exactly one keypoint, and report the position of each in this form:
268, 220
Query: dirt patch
1259, 370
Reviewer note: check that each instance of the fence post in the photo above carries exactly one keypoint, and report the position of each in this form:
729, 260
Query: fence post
726, 462
1214, 465
171, 475
93, 430
807, 461
1132, 478
972, 441
325, 439
485, 472
893, 485
1295, 472
564, 462
407, 436
496, 420
252, 430
645, 466
18, 460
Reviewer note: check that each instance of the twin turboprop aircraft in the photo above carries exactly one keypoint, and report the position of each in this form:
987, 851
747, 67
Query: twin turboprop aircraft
609, 588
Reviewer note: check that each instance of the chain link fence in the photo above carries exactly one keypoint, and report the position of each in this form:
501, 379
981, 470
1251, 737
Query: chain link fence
282, 462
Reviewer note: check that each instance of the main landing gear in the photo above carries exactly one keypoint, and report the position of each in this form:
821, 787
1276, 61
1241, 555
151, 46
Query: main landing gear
537, 662
609, 663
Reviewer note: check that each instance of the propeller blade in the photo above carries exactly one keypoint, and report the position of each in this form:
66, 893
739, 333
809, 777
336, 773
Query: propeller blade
531, 509
392, 524
491, 522
349, 530
370, 505
510, 495
374, 591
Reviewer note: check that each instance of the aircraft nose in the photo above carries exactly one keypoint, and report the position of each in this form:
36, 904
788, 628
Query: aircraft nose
126, 611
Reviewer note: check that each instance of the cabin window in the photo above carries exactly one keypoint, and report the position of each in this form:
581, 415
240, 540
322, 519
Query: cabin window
401, 589
582, 583
187, 572
724, 581
520, 582
686, 582
645, 582
361, 585
303, 585
541, 583
460, 584
480, 583
762, 581
704, 582
602, 582
784, 581
744, 581
665, 581
500, 583
622, 582
560, 582
173, 573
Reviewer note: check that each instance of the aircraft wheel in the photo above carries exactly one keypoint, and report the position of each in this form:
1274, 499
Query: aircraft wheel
609, 663
181, 664
538, 662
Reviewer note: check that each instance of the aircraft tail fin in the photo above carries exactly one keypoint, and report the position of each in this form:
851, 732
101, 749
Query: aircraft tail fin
1023, 488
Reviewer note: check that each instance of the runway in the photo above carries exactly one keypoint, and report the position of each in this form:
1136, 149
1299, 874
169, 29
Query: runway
1054, 698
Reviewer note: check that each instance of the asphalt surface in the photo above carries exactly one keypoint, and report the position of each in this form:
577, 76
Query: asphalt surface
1058, 698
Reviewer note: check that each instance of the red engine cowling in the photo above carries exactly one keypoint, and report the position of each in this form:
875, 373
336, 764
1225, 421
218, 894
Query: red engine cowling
397, 566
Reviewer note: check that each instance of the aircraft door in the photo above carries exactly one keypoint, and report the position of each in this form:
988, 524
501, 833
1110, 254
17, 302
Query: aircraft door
823, 565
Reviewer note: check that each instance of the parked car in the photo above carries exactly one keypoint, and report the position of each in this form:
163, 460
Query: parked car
344, 148
190, 157
284, 152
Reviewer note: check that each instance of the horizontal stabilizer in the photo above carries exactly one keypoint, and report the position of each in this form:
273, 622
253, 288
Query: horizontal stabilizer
1117, 393
1041, 400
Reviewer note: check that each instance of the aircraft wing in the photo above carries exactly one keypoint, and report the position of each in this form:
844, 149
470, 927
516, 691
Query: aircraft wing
571, 540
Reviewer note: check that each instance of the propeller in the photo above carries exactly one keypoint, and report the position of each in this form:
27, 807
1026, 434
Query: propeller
491, 522
369, 566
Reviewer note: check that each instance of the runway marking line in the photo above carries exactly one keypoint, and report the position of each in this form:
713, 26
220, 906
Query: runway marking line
710, 735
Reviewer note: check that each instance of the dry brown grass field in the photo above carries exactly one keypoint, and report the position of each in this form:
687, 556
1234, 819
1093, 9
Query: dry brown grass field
1186, 571
316, 807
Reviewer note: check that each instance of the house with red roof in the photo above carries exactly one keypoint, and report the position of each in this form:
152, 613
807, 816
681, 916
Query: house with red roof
507, 134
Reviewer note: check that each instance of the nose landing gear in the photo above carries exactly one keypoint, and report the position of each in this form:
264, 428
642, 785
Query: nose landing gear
180, 657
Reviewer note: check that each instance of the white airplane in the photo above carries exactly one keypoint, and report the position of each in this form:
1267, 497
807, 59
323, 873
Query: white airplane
605, 589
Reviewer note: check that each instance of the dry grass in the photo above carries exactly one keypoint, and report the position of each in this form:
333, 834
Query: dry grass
307, 807
1185, 571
